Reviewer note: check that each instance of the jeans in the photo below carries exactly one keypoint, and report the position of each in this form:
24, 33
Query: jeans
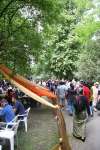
70, 106
91, 108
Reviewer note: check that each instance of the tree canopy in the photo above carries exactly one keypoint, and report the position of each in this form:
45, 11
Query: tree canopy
51, 37
19, 30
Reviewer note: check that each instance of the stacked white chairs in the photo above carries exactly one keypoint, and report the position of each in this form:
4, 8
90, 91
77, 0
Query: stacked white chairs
9, 131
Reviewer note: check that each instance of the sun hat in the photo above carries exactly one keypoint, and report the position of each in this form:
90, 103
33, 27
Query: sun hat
97, 83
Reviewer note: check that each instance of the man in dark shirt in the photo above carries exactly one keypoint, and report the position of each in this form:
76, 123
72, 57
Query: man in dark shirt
70, 95
18, 106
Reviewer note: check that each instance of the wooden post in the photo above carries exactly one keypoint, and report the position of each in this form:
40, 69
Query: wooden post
57, 147
64, 142
63, 137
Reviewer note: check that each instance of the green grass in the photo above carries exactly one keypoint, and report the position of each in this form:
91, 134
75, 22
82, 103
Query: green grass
42, 131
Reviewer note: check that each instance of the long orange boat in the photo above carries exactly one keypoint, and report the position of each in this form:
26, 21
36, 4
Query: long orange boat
36, 93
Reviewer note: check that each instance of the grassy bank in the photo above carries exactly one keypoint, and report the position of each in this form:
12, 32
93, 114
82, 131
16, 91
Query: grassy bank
42, 131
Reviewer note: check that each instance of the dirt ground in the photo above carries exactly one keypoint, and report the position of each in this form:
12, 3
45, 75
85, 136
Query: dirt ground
92, 133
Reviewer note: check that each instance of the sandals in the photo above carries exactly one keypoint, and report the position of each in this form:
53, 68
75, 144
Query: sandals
80, 138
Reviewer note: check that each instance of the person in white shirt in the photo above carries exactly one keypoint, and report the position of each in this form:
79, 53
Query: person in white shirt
61, 92
95, 94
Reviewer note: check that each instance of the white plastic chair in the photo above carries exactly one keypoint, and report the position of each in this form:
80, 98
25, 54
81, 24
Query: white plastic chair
4, 125
11, 122
10, 131
0, 147
24, 118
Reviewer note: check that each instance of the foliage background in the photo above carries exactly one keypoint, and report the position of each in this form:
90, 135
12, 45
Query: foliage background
49, 38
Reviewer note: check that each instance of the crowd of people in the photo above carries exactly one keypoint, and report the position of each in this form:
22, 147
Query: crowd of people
9, 105
78, 98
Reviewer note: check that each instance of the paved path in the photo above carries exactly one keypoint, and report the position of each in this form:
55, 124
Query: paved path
92, 130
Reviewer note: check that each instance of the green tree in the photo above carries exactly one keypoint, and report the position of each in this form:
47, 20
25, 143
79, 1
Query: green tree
89, 36
61, 45
19, 30
88, 64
